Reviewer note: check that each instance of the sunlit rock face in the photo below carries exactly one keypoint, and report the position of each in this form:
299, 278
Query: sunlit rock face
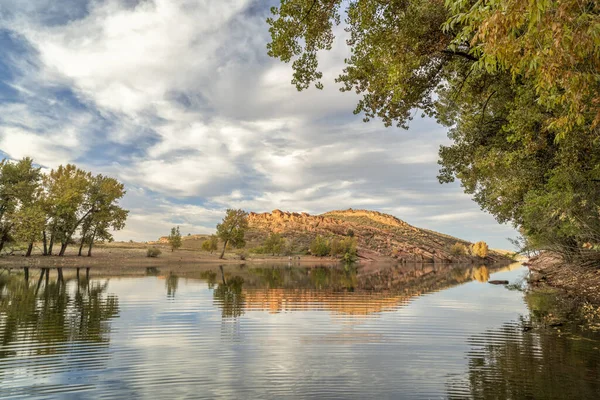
378, 235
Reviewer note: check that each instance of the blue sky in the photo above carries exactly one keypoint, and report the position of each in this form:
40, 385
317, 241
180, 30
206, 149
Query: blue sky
179, 100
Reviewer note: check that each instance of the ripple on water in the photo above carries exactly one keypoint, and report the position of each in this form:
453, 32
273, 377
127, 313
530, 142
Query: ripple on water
287, 332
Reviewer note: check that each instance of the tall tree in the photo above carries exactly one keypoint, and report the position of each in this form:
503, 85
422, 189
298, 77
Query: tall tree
516, 82
67, 188
233, 229
19, 186
174, 238
104, 213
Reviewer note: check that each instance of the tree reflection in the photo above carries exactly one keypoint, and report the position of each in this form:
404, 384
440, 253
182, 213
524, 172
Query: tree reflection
229, 295
171, 282
54, 315
531, 360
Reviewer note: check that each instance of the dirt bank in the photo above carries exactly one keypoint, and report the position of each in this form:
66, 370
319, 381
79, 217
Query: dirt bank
549, 270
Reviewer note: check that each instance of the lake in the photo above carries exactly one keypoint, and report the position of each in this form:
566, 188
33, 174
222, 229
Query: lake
377, 331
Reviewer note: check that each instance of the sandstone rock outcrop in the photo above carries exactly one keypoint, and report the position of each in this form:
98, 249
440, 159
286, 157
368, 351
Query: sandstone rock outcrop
377, 234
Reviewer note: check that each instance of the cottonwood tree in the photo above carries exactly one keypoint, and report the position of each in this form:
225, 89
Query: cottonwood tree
19, 185
66, 187
174, 238
516, 82
232, 229
104, 214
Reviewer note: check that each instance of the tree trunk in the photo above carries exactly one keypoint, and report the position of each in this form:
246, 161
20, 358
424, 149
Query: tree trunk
81, 245
63, 248
51, 244
92, 242
29, 249
45, 242
223, 252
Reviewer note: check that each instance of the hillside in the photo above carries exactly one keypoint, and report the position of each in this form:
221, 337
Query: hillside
378, 235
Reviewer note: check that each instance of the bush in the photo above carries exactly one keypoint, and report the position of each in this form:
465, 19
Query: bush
153, 252
479, 249
459, 249
319, 247
274, 244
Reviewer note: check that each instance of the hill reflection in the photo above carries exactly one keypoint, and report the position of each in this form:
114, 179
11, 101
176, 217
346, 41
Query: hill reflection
344, 290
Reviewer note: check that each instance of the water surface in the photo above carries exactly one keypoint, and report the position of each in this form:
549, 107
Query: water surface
411, 331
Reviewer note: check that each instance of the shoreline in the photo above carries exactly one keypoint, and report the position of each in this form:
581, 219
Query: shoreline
549, 271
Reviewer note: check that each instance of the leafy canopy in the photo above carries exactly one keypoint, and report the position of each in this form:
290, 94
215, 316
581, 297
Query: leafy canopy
516, 82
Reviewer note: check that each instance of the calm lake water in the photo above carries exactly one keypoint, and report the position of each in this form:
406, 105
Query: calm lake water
416, 331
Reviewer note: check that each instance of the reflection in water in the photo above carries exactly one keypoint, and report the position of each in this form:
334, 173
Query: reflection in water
508, 363
171, 283
410, 331
37, 321
345, 289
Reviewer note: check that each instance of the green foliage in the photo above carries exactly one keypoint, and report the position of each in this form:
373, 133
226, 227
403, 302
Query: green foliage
211, 243
274, 244
319, 246
479, 249
57, 204
516, 82
459, 249
153, 252
174, 238
233, 229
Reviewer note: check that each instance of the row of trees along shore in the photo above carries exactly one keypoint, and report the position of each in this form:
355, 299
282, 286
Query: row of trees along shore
516, 82
51, 207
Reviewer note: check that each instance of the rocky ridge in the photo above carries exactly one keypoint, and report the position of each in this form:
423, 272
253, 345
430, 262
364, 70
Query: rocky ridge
378, 235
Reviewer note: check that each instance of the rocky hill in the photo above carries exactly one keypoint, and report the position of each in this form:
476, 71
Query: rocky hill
378, 235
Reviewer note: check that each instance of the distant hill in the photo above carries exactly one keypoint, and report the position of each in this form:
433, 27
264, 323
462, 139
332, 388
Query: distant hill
378, 235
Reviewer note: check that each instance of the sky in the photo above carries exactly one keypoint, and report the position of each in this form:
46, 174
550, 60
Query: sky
179, 101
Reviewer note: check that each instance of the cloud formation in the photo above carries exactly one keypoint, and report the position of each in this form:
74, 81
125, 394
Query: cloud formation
179, 101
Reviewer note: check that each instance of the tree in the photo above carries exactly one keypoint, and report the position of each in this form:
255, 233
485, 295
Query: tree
103, 196
274, 244
211, 243
66, 188
319, 246
233, 229
19, 186
516, 82
480, 249
174, 238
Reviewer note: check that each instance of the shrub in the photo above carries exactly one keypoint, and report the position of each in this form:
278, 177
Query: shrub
335, 247
274, 244
153, 252
459, 249
319, 246
350, 233
480, 249
210, 244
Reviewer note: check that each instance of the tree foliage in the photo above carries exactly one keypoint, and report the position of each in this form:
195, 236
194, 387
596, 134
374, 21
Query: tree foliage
211, 243
479, 249
517, 84
174, 238
319, 246
274, 244
233, 229
36, 206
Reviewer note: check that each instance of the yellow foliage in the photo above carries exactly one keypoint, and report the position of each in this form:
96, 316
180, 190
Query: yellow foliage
481, 274
479, 249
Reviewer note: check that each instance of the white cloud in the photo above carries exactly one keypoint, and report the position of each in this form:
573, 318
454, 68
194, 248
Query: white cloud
179, 98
